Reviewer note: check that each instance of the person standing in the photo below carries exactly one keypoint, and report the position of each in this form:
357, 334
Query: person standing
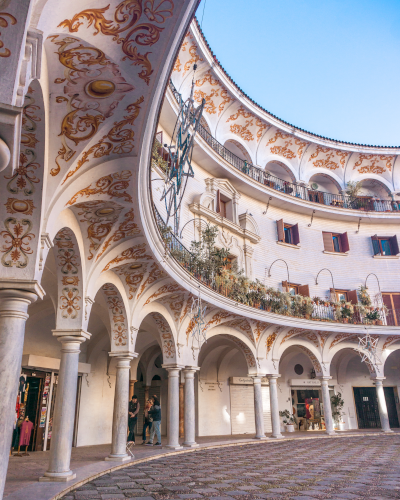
147, 420
133, 410
155, 414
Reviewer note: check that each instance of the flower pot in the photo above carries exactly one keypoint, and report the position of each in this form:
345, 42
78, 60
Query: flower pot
379, 322
289, 428
342, 426
345, 320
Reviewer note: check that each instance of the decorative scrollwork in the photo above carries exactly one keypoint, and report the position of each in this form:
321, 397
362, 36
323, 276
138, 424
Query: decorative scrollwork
4, 52
17, 242
126, 20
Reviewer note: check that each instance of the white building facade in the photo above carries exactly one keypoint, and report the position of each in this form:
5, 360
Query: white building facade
93, 305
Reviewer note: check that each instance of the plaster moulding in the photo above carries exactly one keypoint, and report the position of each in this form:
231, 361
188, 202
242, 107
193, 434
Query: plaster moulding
343, 254
289, 245
5, 155
223, 222
31, 63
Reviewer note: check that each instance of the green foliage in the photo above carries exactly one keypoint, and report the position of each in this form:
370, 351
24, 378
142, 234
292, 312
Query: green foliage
337, 404
353, 189
365, 299
288, 418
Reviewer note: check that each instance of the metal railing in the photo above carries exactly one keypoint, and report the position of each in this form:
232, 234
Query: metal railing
367, 203
323, 310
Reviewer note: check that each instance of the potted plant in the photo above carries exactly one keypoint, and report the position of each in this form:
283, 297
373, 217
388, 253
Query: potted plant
289, 420
373, 317
337, 404
364, 297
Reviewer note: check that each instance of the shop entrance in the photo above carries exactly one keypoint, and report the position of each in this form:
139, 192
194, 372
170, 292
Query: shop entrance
367, 407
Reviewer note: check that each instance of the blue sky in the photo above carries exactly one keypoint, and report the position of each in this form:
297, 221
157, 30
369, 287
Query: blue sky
331, 67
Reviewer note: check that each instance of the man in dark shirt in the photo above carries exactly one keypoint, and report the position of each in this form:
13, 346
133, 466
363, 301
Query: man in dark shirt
155, 414
133, 411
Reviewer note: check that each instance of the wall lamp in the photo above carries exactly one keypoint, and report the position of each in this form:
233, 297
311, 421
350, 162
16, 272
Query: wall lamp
287, 268
379, 286
191, 220
326, 269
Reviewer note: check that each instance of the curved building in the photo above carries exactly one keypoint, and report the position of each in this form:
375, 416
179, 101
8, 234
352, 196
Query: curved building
99, 292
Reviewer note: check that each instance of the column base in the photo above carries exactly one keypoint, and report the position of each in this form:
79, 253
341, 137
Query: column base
60, 477
388, 431
174, 446
330, 433
278, 436
260, 437
118, 458
191, 445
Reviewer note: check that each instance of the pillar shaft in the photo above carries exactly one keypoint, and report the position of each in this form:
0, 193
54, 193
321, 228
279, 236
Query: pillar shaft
273, 392
64, 410
121, 405
181, 410
13, 315
383, 413
173, 407
258, 409
326, 399
190, 415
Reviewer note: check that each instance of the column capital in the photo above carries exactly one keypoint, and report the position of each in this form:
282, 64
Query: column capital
71, 335
123, 354
273, 375
191, 368
14, 303
32, 286
377, 378
325, 378
172, 367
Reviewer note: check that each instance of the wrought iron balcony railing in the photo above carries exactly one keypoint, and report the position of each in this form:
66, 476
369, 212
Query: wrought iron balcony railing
363, 203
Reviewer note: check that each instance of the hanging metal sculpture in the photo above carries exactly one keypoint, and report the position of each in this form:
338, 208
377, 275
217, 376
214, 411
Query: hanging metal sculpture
180, 153
198, 314
368, 350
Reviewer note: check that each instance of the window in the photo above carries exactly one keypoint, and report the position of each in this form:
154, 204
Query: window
346, 295
385, 245
335, 242
288, 233
296, 289
224, 206
392, 302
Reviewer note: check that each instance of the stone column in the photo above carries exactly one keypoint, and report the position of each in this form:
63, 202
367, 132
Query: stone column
173, 406
64, 410
190, 408
181, 410
121, 404
13, 315
273, 393
326, 399
258, 408
383, 413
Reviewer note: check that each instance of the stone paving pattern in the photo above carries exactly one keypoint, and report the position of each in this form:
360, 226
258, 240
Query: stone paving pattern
342, 468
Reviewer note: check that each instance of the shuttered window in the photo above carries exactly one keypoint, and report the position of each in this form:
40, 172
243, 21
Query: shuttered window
335, 242
295, 289
392, 302
385, 245
304, 290
218, 210
280, 228
288, 233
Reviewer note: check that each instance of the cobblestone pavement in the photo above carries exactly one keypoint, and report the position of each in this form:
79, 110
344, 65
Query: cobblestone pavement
342, 468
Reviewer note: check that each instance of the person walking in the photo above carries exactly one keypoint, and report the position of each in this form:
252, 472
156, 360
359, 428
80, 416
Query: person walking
147, 420
155, 414
133, 410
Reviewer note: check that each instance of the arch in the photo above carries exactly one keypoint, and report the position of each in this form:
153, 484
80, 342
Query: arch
70, 284
167, 340
312, 353
367, 185
238, 148
323, 183
281, 168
